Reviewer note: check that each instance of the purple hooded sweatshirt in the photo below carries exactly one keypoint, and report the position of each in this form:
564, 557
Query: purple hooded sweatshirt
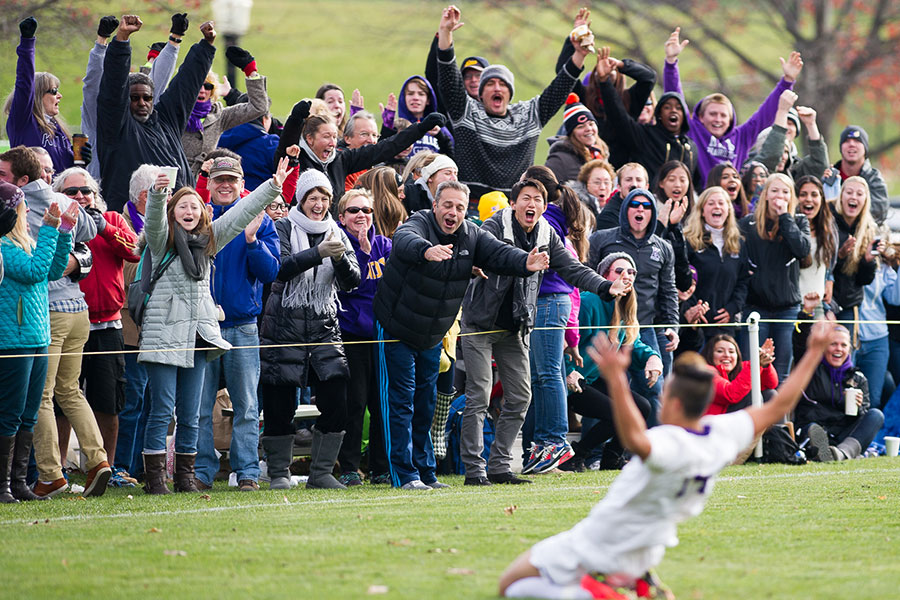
355, 313
552, 282
426, 142
735, 145
21, 126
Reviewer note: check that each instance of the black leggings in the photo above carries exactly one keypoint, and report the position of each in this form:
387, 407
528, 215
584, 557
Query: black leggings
280, 404
362, 392
593, 401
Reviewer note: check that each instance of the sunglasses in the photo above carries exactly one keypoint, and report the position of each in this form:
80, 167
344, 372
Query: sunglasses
208, 86
277, 206
356, 209
73, 191
52, 91
620, 270
635, 204
144, 97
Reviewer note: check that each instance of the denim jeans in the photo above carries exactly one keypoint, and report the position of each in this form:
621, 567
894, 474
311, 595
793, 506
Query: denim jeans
548, 374
178, 390
241, 369
21, 386
133, 418
872, 360
408, 385
781, 334
665, 355
639, 381
863, 428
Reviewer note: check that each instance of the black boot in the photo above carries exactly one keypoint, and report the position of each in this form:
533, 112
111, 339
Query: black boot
6, 449
184, 472
155, 474
325, 449
279, 453
22, 453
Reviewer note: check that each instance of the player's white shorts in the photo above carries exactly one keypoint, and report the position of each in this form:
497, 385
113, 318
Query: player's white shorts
564, 559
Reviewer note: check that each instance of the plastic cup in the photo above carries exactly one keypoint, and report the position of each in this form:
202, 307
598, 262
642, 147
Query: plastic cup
171, 173
78, 142
891, 445
850, 407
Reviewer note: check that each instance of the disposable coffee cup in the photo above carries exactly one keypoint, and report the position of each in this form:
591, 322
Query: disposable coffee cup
171, 174
850, 407
891, 445
78, 142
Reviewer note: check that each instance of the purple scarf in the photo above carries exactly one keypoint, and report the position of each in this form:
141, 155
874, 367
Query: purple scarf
200, 110
838, 374
137, 219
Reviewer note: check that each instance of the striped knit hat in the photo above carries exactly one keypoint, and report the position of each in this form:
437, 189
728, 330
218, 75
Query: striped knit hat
575, 114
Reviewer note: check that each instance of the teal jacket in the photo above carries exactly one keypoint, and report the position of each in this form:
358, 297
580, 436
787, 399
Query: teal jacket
24, 313
594, 314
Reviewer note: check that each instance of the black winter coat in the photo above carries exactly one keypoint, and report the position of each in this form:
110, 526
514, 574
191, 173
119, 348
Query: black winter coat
775, 264
722, 279
848, 289
417, 300
282, 325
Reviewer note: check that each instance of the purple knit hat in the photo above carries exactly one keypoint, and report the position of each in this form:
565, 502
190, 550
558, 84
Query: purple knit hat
10, 196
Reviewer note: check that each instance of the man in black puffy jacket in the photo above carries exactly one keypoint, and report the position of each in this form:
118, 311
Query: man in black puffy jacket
417, 300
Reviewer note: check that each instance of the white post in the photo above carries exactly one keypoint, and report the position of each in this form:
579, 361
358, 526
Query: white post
755, 385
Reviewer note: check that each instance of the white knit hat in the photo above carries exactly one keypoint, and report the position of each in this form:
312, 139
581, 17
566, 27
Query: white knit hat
309, 179
440, 162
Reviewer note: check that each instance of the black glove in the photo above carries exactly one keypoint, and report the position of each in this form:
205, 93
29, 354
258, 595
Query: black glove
434, 120
301, 109
238, 56
180, 24
87, 153
107, 26
27, 27
97, 216
8, 219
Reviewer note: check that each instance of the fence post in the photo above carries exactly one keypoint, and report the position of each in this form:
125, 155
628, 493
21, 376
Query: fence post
755, 385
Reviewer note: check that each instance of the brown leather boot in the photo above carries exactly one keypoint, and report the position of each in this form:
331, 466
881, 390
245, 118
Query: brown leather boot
155, 474
184, 472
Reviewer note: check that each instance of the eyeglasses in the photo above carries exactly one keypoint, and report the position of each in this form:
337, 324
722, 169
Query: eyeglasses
139, 97
73, 191
645, 205
208, 86
620, 270
47, 170
277, 206
52, 91
356, 209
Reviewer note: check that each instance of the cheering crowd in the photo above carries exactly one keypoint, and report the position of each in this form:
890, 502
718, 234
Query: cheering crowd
188, 242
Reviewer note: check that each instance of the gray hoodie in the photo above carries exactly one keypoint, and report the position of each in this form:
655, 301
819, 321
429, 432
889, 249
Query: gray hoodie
38, 197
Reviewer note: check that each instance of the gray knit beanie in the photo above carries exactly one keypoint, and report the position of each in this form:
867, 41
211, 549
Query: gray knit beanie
309, 179
497, 72
612, 257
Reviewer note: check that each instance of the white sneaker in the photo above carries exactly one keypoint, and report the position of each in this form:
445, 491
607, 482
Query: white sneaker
415, 484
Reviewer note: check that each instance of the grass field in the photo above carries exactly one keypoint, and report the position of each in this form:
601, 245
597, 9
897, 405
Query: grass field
817, 532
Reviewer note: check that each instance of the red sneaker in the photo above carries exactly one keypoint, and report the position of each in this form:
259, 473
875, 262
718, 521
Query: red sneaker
48, 490
97, 479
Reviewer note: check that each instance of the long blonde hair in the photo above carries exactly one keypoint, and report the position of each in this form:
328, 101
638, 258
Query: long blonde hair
695, 231
624, 315
19, 234
43, 82
865, 230
761, 212
389, 211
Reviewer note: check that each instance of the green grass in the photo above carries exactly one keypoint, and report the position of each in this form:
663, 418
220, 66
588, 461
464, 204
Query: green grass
818, 532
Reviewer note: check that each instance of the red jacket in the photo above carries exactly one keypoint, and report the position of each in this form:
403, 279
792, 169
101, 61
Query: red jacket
732, 392
104, 287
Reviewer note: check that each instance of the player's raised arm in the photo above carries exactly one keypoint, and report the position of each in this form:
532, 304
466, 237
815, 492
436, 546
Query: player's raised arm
789, 394
613, 362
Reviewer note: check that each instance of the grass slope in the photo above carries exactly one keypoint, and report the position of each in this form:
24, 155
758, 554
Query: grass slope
818, 532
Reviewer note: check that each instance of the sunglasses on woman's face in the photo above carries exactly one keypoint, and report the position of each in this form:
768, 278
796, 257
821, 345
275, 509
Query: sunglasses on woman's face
356, 209
620, 270
208, 86
52, 91
73, 191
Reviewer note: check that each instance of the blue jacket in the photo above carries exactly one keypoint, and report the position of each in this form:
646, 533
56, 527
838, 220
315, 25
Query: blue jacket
24, 312
241, 271
257, 150
355, 313
427, 141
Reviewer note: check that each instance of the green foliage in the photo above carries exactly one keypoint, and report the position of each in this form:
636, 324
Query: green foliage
821, 531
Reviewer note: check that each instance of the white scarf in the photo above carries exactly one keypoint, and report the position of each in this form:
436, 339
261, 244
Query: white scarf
314, 286
717, 235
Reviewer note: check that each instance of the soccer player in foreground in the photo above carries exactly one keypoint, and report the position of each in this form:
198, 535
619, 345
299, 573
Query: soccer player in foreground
611, 553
